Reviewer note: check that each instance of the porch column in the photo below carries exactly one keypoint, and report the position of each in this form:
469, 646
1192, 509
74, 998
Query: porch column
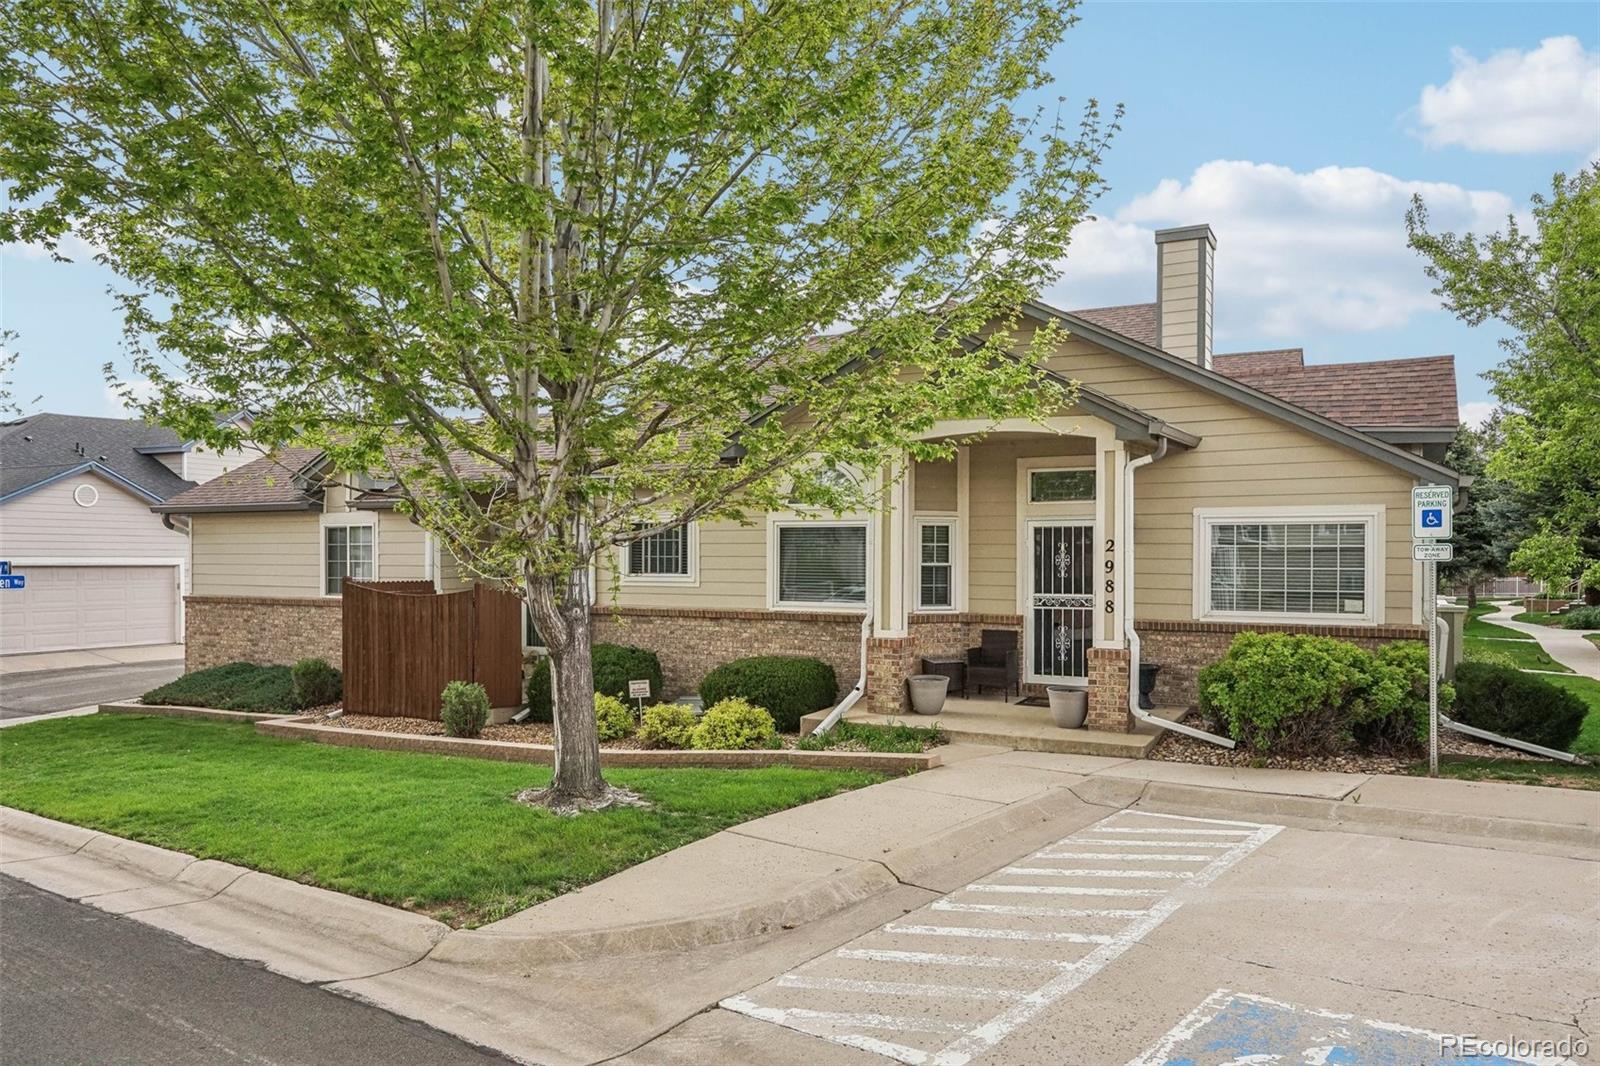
889, 652
1109, 659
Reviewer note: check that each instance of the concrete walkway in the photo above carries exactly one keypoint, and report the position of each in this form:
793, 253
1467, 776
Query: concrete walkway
597, 972
1566, 646
33, 662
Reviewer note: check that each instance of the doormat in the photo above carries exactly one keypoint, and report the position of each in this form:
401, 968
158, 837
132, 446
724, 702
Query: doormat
1033, 701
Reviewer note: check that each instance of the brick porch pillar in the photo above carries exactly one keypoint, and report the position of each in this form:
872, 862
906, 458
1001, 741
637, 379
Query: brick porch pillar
889, 663
1108, 690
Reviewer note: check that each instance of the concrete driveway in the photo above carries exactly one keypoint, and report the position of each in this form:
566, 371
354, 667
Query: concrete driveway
35, 692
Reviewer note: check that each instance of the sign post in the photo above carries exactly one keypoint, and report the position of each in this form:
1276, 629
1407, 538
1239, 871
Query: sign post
639, 691
1431, 527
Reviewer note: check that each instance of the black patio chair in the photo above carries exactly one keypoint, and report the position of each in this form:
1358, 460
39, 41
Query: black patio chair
994, 663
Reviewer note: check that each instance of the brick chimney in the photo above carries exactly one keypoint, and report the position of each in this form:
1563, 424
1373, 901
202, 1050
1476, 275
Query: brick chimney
1185, 275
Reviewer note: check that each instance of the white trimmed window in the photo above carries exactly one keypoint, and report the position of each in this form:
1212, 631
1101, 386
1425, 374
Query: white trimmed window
665, 557
349, 552
1297, 567
936, 584
819, 564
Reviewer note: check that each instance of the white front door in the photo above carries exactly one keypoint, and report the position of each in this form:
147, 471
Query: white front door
1060, 604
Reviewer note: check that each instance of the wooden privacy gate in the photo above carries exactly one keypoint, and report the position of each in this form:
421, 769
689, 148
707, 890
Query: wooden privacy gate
403, 642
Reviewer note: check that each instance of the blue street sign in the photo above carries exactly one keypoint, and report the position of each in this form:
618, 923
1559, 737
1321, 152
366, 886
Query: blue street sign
5, 568
11, 581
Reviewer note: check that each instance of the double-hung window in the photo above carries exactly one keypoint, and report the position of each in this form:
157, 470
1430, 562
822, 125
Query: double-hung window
664, 556
820, 564
1314, 567
348, 554
935, 565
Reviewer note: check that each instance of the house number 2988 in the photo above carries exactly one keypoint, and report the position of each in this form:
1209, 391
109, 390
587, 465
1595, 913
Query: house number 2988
1111, 583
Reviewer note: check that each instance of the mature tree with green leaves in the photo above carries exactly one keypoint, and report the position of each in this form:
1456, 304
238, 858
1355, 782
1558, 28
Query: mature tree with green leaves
1551, 558
552, 262
1488, 526
1545, 284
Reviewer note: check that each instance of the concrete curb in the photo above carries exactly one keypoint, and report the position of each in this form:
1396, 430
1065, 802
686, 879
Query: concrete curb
544, 754
803, 904
1350, 815
311, 934
162, 710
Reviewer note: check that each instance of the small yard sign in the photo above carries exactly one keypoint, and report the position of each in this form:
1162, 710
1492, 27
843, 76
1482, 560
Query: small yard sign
639, 690
1430, 512
13, 581
1427, 551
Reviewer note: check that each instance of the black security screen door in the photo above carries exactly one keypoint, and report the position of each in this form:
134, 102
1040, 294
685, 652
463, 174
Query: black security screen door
1061, 601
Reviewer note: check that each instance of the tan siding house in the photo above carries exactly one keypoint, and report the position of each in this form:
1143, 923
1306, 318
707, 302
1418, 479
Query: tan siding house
1265, 493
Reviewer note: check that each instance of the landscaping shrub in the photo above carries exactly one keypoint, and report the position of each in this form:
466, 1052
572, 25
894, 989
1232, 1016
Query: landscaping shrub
1517, 704
666, 725
853, 736
734, 724
1581, 618
612, 717
230, 687
315, 683
614, 666
1308, 695
464, 709
787, 686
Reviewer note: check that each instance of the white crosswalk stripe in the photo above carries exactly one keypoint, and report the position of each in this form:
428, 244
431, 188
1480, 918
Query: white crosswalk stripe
897, 990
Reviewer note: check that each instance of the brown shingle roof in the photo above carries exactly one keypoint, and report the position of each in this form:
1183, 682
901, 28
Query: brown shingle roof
1382, 394
1137, 322
268, 483
1240, 365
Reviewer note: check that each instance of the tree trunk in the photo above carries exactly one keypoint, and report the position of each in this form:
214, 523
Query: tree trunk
1472, 594
560, 609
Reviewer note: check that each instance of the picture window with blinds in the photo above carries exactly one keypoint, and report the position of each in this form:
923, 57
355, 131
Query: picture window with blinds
821, 565
1290, 568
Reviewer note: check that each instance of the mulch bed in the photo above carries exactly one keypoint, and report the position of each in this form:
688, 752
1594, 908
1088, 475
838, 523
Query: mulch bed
526, 733
1175, 747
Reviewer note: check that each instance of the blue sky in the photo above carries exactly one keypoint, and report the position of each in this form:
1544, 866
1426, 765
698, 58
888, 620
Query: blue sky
1297, 130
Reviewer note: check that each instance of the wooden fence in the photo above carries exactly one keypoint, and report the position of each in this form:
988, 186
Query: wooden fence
403, 642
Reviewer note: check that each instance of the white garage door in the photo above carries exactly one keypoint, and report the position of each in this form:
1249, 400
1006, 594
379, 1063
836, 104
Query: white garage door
67, 607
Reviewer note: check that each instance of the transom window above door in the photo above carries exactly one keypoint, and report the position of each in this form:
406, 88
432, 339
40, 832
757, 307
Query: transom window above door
1060, 486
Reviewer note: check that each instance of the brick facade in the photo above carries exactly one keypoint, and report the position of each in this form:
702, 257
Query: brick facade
692, 641
265, 630
1108, 690
1183, 648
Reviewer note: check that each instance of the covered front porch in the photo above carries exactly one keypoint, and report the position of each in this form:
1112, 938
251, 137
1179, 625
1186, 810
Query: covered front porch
1018, 542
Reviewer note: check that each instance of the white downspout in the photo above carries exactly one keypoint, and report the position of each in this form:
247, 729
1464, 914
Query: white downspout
1127, 607
852, 697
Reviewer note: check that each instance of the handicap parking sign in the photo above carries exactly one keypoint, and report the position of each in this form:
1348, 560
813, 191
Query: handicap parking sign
1430, 512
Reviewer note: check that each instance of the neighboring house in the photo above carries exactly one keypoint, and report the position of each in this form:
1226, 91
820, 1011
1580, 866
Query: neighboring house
75, 521
1269, 494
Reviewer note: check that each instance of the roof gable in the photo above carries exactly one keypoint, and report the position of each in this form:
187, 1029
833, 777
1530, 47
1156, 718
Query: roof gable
40, 449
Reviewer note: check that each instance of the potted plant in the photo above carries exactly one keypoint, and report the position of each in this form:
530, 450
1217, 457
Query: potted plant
1068, 706
928, 692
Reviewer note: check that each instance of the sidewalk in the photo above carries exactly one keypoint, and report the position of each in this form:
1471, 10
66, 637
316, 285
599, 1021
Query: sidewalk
1566, 646
33, 662
595, 973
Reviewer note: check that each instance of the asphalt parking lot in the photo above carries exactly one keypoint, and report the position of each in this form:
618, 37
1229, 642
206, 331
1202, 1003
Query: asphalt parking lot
1154, 940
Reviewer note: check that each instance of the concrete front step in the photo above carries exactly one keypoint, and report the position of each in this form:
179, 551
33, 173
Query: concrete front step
1021, 728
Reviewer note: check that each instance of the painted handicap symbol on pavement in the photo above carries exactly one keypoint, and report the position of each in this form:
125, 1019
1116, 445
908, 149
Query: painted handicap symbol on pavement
1236, 1029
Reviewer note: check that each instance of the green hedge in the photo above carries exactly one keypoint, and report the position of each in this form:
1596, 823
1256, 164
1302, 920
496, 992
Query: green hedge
788, 687
614, 666
315, 683
1308, 695
1517, 704
1581, 618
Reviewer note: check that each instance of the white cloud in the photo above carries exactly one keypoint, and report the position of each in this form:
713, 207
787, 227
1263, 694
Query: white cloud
1544, 100
1477, 413
1297, 252
71, 246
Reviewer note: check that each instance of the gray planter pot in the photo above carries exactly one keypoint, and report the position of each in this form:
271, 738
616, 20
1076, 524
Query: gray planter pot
1068, 706
928, 692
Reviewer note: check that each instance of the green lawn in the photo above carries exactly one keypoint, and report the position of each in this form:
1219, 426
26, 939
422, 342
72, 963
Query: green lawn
1538, 618
1523, 655
231, 687
432, 833
1477, 627
854, 736
1519, 771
